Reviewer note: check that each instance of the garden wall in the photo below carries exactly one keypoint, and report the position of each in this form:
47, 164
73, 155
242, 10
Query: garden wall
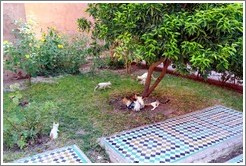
63, 16
11, 12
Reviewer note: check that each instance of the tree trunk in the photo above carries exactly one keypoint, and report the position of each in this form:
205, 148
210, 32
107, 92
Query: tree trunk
29, 82
147, 89
127, 68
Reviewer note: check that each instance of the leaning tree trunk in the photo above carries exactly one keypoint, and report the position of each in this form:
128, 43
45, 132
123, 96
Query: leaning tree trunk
149, 89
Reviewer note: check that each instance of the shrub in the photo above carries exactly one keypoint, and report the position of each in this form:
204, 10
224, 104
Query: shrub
22, 54
26, 124
76, 54
58, 55
53, 54
116, 64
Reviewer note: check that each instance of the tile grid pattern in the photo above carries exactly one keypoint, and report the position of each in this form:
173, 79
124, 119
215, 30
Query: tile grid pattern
172, 140
69, 154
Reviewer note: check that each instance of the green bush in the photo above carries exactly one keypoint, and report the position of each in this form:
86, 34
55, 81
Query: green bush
22, 54
53, 54
76, 55
58, 55
23, 125
116, 64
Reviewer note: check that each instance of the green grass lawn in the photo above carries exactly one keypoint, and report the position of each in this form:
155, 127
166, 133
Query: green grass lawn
85, 115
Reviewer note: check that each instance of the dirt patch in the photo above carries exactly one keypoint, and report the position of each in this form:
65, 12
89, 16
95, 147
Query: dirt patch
98, 155
38, 145
163, 109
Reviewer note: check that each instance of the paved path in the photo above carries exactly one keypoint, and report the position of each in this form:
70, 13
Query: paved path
197, 137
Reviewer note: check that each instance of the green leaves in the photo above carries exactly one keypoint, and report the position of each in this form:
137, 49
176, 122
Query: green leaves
84, 24
21, 54
52, 54
204, 35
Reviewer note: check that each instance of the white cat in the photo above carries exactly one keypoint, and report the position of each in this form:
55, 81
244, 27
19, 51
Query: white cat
140, 100
103, 85
54, 131
154, 104
143, 78
137, 106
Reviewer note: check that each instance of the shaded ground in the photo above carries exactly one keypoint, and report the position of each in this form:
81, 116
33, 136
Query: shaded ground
163, 109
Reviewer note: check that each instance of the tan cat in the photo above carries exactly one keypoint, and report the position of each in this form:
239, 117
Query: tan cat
134, 105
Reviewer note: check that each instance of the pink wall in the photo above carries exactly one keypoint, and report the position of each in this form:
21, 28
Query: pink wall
63, 16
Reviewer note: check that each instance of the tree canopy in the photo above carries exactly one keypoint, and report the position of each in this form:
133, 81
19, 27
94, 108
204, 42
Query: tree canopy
206, 36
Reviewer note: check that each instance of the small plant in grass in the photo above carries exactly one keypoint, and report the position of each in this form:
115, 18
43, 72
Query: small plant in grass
16, 96
23, 126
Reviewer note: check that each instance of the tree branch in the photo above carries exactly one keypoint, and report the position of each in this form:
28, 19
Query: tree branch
148, 79
166, 63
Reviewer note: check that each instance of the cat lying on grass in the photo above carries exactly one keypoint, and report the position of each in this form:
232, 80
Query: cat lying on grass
103, 85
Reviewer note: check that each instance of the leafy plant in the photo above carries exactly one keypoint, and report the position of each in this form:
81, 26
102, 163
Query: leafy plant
59, 55
124, 50
117, 64
22, 54
77, 52
53, 54
26, 124
51, 51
